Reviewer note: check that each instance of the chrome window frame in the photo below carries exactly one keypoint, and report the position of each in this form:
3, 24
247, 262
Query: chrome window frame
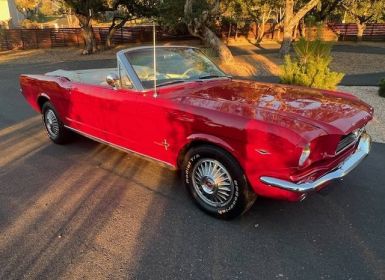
121, 68
137, 84
121, 58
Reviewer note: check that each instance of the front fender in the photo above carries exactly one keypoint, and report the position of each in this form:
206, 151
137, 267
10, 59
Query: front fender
203, 138
211, 139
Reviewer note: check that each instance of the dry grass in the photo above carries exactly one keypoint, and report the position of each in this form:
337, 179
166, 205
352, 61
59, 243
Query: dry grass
250, 66
240, 67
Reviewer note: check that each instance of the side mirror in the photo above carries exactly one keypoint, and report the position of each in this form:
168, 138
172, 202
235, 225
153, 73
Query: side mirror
112, 80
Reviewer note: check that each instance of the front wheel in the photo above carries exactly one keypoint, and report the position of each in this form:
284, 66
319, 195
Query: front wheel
53, 125
216, 182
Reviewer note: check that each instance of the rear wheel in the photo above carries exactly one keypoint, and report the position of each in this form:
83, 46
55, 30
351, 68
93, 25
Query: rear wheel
53, 125
216, 182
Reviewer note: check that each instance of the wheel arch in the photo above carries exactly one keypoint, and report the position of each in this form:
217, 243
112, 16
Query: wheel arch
201, 140
43, 98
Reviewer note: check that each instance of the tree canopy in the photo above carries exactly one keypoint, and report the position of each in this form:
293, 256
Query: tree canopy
364, 11
203, 18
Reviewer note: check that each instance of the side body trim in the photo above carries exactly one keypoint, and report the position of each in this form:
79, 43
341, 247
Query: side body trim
166, 164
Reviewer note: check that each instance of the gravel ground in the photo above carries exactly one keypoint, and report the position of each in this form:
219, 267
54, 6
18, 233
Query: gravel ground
358, 58
376, 127
348, 57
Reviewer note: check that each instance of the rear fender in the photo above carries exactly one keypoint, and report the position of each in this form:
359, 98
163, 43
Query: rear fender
54, 89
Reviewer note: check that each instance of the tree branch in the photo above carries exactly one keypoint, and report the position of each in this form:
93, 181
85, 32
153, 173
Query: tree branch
302, 12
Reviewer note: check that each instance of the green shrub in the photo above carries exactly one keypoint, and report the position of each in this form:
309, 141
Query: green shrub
381, 90
310, 67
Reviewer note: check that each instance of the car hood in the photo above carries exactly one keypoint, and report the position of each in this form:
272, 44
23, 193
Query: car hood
299, 107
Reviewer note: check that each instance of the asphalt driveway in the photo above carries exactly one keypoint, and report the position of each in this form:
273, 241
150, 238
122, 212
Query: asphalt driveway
85, 210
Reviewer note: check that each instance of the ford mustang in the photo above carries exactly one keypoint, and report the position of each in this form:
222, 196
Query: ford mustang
232, 140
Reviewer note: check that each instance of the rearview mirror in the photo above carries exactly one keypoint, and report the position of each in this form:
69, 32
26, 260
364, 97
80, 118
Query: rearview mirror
112, 80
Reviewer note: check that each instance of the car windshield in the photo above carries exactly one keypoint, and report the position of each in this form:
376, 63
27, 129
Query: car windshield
173, 65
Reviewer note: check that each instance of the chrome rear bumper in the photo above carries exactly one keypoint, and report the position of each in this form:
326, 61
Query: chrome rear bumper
342, 170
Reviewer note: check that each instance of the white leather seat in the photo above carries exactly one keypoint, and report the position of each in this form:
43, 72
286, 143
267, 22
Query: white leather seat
88, 76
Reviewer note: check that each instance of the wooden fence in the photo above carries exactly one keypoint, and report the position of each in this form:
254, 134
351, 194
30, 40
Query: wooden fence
328, 32
62, 37
348, 31
275, 32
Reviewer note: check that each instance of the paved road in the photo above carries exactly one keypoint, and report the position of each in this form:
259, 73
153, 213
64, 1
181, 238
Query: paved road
85, 210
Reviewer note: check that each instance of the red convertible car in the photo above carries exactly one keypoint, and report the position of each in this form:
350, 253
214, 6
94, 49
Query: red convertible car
232, 140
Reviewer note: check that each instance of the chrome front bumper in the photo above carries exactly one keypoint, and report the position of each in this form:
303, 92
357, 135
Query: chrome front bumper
342, 170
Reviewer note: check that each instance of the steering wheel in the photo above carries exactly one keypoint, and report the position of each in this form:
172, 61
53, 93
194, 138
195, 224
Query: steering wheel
185, 73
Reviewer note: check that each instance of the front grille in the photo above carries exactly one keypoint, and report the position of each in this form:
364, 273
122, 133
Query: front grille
348, 140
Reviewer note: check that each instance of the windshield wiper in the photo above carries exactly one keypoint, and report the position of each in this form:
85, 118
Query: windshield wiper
204, 77
212, 76
170, 83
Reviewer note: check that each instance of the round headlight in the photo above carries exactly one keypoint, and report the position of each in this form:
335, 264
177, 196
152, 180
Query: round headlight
305, 155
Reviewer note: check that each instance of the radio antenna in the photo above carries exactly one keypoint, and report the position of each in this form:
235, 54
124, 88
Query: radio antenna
154, 47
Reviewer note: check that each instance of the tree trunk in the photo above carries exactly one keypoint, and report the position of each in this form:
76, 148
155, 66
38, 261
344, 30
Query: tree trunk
360, 31
229, 33
302, 28
287, 29
295, 32
344, 17
261, 31
292, 20
212, 40
89, 40
286, 42
261, 27
278, 35
110, 34
112, 29
198, 27
88, 34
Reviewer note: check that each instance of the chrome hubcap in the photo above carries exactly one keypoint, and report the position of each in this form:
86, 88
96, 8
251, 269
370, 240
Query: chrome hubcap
212, 182
51, 123
208, 185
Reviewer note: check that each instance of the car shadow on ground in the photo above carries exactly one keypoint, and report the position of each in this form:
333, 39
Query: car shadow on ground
87, 210
325, 235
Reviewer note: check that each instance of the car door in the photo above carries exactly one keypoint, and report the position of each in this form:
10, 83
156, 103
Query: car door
157, 133
122, 119
89, 109
104, 113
